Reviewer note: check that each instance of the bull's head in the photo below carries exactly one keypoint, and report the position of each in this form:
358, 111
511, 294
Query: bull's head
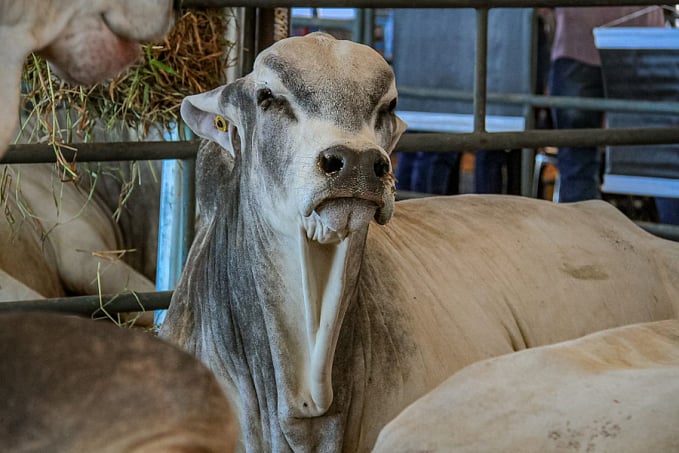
322, 111
308, 133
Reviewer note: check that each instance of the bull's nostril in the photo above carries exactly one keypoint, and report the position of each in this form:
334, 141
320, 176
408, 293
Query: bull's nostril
381, 167
331, 163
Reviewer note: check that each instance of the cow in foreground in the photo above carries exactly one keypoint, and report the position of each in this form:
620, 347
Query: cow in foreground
321, 329
75, 385
610, 391
87, 41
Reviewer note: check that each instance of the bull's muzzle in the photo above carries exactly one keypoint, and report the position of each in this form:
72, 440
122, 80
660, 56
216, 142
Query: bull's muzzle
348, 165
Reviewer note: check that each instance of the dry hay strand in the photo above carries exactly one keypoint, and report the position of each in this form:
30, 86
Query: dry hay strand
192, 58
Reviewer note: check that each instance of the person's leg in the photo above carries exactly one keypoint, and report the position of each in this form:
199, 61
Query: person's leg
444, 169
578, 166
488, 171
668, 210
404, 170
513, 159
421, 172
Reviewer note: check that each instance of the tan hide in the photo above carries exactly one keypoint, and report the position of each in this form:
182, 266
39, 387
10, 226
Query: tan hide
80, 386
611, 391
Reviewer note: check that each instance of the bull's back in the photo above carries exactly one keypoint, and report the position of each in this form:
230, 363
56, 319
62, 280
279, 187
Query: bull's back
498, 271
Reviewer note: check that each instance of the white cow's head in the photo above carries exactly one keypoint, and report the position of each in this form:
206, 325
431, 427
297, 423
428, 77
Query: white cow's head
315, 121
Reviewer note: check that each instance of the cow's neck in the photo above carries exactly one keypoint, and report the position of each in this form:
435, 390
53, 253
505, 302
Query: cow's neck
282, 307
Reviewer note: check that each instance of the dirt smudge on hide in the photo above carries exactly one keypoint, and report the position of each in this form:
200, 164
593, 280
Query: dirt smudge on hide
570, 438
586, 272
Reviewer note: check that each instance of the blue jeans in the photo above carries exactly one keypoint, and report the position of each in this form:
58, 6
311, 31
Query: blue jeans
428, 172
579, 167
410, 174
668, 210
490, 169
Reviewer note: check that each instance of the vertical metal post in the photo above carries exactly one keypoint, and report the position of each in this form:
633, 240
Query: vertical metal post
368, 25
480, 67
176, 223
528, 154
234, 34
248, 40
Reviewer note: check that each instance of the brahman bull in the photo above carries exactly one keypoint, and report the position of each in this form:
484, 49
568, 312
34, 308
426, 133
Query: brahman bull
76, 385
323, 330
610, 391
86, 40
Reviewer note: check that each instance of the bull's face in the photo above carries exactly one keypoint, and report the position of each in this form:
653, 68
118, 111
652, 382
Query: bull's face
314, 124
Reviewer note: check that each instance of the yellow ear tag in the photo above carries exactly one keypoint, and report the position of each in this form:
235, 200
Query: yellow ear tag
220, 123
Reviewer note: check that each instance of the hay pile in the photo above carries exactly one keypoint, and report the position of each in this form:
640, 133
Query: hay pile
192, 59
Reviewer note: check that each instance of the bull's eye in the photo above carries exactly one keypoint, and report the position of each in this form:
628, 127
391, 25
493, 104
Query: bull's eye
264, 96
392, 105
220, 123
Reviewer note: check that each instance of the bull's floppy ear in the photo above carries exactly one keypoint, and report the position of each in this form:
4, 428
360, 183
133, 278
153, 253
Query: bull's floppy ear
399, 129
210, 117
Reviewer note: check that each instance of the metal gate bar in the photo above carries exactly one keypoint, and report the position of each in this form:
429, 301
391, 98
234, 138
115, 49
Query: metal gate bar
409, 143
539, 100
93, 305
101, 152
474, 4
480, 70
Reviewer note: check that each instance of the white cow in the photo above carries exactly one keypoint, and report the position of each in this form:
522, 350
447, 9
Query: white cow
80, 386
610, 391
322, 329
86, 40
58, 239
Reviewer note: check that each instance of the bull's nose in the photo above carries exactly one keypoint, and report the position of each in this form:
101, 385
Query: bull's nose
342, 160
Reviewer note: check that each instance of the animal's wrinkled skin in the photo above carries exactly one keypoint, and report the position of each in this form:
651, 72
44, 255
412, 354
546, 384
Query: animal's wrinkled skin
87, 41
323, 329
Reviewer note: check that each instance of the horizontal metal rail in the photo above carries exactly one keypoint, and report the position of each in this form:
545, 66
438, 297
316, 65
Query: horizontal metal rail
93, 305
101, 152
608, 104
536, 139
471, 141
407, 3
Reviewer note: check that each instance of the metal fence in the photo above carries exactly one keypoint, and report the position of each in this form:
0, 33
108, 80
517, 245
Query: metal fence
479, 138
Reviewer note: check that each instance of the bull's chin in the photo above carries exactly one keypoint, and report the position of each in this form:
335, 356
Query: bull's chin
335, 219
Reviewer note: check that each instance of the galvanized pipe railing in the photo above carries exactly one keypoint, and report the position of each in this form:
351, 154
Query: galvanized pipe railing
97, 306
408, 3
536, 139
94, 152
480, 70
101, 152
538, 100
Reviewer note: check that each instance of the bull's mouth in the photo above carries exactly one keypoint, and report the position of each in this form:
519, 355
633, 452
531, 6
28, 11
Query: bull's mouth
334, 219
